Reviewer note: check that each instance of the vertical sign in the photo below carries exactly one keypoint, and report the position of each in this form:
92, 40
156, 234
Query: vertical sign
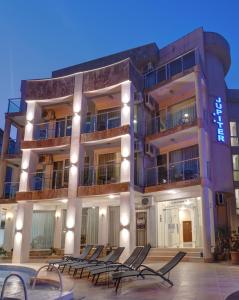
218, 119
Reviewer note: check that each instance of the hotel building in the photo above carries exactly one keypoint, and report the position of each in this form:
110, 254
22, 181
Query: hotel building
139, 146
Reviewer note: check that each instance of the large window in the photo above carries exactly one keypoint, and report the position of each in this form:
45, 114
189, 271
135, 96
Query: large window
235, 161
234, 134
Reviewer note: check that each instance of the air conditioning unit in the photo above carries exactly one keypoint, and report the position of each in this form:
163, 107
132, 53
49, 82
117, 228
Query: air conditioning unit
147, 201
150, 102
220, 199
46, 159
138, 146
151, 150
48, 115
138, 98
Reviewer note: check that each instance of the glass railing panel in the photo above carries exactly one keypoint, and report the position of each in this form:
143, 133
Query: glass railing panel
13, 147
166, 71
57, 179
98, 175
178, 171
171, 120
16, 105
10, 189
102, 121
53, 129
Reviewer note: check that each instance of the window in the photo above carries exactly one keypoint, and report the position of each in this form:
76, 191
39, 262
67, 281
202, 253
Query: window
235, 161
234, 134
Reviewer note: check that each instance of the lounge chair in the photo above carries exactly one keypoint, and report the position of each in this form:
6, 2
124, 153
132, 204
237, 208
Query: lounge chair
93, 256
109, 259
146, 271
96, 271
68, 258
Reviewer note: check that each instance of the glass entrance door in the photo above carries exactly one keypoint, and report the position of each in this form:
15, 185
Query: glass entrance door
171, 227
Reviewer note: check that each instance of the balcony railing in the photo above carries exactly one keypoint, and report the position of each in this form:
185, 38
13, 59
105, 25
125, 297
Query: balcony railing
16, 105
57, 179
53, 129
102, 121
10, 189
13, 147
178, 171
168, 120
165, 72
101, 174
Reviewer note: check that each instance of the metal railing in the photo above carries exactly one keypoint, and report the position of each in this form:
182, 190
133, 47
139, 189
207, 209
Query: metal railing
16, 105
56, 179
101, 174
166, 71
5, 286
178, 171
168, 120
102, 121
10, 189
53, 129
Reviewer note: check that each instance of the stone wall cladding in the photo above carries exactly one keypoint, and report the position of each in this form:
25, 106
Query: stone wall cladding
112, 75
47, 89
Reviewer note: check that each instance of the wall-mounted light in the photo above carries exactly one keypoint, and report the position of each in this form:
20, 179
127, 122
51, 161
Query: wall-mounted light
58, 214
111, 196
9, 216
74, 158
64, 200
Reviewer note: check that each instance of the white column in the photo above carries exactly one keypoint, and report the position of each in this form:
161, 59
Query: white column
58, 228
74, 205
23, 233
32, 117
103, 225
9, 230
28, 166
152, 225
127, 203
203, 144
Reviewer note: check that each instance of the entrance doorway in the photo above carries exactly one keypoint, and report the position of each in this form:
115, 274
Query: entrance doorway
141, 228
187, 232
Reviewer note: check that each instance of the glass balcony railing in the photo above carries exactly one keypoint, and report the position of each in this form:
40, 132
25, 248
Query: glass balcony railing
54, 129
16, 105
13, 147
10, 189
98, 175
102, 121
178, 171
57, 179
165, 72
169, 120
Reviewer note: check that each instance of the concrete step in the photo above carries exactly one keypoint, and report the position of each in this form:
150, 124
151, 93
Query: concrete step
165, 254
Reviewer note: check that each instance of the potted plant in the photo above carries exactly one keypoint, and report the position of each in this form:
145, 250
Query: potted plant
222, 244
234, 248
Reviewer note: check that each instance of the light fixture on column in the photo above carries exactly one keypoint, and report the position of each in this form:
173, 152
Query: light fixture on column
74, 158
58, 214
9, 216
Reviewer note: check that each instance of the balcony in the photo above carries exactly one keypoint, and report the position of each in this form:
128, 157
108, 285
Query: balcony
57, 179
54, 129
167, 71
10, 189
102, 121
102, 174
169, 120
182, 171
16, 105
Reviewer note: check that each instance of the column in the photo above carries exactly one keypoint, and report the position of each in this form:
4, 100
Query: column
23, 232
58, 228
127, 203
203, 144
103, 225
152, 225
74, 205
9, 230
23, 227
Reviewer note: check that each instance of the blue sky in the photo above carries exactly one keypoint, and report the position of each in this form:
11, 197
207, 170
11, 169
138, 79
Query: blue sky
40, 36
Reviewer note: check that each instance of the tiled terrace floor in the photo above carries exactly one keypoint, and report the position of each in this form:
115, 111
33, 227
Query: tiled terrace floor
193, 281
